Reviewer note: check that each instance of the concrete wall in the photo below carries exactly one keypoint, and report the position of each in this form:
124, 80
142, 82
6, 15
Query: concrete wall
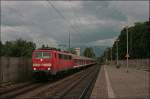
15, 69
134, 63
19, 69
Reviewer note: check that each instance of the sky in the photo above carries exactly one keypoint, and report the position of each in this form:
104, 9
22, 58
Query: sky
90, 23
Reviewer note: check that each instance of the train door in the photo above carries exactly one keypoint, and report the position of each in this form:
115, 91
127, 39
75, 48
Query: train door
56, 61
60, 61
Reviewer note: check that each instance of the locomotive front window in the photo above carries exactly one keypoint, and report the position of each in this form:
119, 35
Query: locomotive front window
46, 55
42, 54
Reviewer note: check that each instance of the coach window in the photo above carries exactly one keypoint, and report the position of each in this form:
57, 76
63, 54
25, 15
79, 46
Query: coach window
70, 57
63, 56
60, 56
55, 55
66, 57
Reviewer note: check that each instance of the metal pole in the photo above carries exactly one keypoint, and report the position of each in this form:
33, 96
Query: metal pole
117, 52
127, 48
111, 54
69, 40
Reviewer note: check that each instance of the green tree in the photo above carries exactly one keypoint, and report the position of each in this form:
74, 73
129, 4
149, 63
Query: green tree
88, 52
1, 49
18, 48
8, 46
139, 40
43, 46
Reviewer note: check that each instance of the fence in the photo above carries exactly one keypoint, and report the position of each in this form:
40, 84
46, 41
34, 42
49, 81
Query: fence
15, 69
134, 63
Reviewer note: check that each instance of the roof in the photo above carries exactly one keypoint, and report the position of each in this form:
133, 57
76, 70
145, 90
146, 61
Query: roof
81, 57
63, 52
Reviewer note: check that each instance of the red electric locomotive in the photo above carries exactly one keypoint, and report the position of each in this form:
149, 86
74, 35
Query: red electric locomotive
50, 62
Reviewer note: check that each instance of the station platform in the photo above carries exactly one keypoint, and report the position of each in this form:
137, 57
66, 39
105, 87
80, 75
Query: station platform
117, 83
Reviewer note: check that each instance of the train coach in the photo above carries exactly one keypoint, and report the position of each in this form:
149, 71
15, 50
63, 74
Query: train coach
50, 62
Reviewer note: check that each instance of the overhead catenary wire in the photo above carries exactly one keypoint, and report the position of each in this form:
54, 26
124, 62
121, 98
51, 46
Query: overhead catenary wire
77, 19
74, 15
61, 15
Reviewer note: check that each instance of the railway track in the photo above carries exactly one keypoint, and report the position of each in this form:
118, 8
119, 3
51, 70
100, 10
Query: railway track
53, 88
80, 88
12, 87
77, 85
74, 87
83, 88
64, 87
19, 90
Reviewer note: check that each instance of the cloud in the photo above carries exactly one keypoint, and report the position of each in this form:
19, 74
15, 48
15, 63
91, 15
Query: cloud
89, 22
134, 10
103, 42
12, 33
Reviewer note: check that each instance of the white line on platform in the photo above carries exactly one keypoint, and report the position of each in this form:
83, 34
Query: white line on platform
109, 88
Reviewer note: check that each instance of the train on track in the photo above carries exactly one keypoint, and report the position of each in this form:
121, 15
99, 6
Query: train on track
51, 62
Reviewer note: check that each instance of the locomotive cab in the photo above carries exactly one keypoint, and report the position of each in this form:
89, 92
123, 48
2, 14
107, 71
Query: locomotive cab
42, 61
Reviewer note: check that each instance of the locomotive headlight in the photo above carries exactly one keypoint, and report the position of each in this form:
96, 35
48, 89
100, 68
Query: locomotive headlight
34, 68
49, 68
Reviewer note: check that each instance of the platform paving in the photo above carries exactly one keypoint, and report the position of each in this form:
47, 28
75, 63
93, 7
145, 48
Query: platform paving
100, 87
117, 83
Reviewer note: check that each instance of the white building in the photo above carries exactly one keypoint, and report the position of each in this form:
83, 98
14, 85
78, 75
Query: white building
77, 51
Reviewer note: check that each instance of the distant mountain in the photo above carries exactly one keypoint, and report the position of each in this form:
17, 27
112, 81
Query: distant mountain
98, 50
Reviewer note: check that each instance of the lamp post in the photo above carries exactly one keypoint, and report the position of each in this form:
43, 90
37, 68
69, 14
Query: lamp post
117, 50
127, 50
69, 41
127, 55
111, 54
